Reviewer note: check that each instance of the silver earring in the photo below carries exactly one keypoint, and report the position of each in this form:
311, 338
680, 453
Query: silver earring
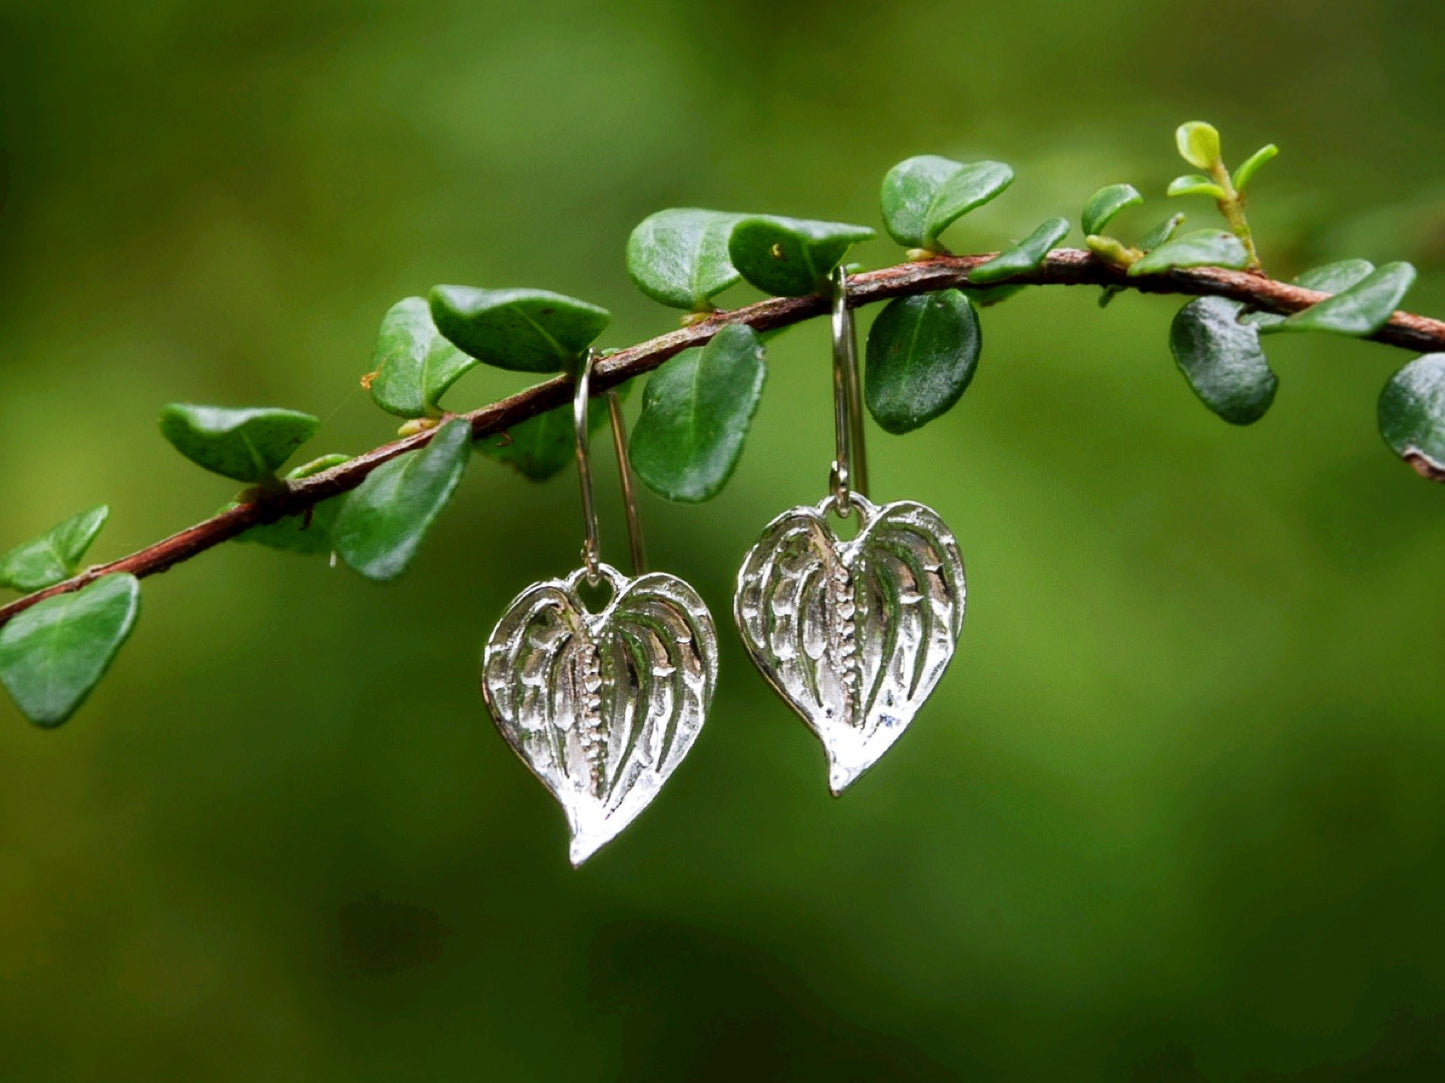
854, 635
602, 706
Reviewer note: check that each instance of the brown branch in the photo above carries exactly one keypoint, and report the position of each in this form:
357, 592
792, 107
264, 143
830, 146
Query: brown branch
1064, 266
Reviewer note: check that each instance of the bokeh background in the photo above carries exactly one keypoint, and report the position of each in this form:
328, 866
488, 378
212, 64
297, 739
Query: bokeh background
1177, 810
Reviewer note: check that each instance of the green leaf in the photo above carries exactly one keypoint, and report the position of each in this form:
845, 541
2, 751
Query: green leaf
384, 519
1412, 415
413, 363
1362, 309
680, 256
1027, 255
1202, 248
542, 446
1104, 204
247, 445
309, 531
1192, 184
791, 257
523, 330
922, 354
923, 196
695, 415
55, 555
1162, 233
55, 652
1326, 278
1221, 359
1198, 144
1251, 165
992, 295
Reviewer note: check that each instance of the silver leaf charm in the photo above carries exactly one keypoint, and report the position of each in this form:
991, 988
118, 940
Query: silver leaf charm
853, 634
602, 706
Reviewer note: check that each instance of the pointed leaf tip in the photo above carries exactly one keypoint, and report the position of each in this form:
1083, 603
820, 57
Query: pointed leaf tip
524, 330
1361, 309
382, 522
54, 653
242, 444
55, 555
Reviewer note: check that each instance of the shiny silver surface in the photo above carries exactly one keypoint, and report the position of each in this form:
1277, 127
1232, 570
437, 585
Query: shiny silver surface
602, 706
854, 635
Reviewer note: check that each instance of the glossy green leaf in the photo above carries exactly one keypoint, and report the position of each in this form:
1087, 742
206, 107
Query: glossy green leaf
923, 196
922, 354
1198, 144
55, 555
1327, 278
1192, 184
1221, 359
55, 652
1104, 204
791, 257
1202, 248
1162, 233
1412, 415
309, 531
680, 256
1251, 165
1362, 309
383, 520
247, 445
1027, 255
541, 447
413, 363
695, 415
524, 330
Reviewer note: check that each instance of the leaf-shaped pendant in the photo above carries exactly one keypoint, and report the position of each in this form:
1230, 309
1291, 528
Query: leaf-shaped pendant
853, 634
602, 706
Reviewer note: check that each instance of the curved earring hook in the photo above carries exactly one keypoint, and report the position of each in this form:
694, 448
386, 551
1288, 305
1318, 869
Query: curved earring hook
850, 466
591, 547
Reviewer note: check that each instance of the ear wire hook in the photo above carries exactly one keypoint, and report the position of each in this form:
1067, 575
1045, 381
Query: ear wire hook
850, 466
591, 547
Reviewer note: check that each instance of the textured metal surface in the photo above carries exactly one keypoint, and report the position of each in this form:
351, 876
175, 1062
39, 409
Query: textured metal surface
602, 706
853, 634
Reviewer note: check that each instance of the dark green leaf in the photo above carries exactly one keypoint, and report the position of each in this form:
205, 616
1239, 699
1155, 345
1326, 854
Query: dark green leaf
1251, 165
1202, 248
922, 196
1104, 204
1412, 415
524, 330
413, 363
791, 257
1362, 309
247, 445
1327, 278
1198, 144
307, 531
541, 446
53, 556
55, 652
1221, 359
1027, 255
922, 354
1192, 184
695, 415
383, 520
1162, 233
680, 256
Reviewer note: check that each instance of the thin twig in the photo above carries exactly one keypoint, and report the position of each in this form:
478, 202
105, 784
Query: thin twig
1063, 267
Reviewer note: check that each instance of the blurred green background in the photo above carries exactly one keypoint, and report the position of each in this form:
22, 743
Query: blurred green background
1177, 812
